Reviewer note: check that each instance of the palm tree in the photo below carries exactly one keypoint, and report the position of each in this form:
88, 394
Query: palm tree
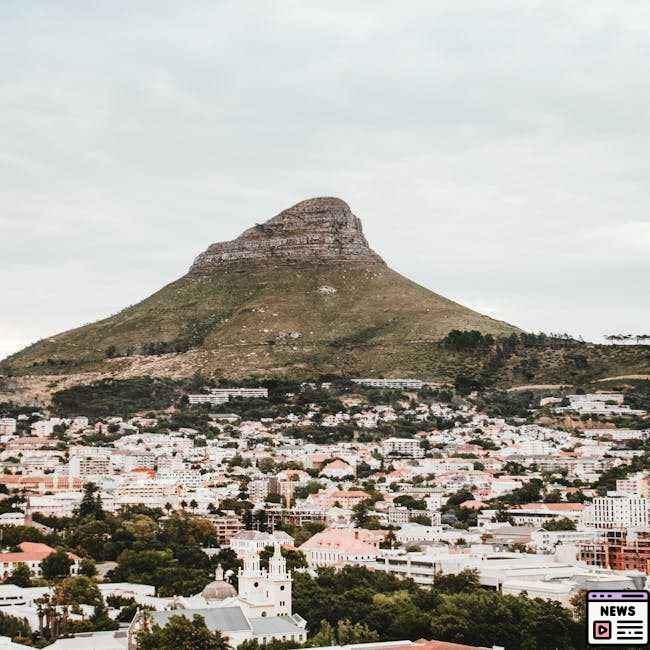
183, 504
168, 506
193, 505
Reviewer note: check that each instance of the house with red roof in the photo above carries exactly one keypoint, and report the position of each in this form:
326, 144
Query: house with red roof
32, 554
337, 469
340, 546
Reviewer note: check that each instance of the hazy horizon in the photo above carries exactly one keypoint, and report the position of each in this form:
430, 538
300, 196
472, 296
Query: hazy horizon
496, 153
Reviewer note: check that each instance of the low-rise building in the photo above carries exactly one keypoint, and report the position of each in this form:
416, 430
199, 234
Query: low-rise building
337, 547
246, 542
32, 554
618, 512
408, 447
619, 550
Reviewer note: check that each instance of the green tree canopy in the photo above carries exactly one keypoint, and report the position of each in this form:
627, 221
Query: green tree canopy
181, 633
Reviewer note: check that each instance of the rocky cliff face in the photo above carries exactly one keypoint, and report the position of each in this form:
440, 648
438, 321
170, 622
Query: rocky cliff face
320, 231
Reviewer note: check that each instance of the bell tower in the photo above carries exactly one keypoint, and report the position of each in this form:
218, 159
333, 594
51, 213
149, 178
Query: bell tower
268, 593
279, 583
252, 580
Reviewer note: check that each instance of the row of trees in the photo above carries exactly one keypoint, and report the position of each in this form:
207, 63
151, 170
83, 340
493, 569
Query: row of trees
628, 338
456, 609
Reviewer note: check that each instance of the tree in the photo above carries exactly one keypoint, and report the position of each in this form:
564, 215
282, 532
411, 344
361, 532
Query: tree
421, 519
486, 618
180, 633
295, 559
457, 583
360, 512
21, 576
91, 505
345, 633
56, 565
409, 502
88, 567
564, 523
77, 590
14, 628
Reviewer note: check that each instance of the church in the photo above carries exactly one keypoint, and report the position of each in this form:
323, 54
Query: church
260, 610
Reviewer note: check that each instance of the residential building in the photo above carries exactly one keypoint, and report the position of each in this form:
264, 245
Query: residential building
620, 550
409, 447
535, 514
246, 542
32, 554
618, 512
414, 384
337, 547
91, 466
7, 426
240, 392
204, 398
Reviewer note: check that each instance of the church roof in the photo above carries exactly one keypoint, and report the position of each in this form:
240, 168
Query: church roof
218, 590
224, 619
275, 625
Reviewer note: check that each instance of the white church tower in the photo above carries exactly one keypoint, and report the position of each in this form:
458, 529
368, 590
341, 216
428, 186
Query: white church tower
266, 593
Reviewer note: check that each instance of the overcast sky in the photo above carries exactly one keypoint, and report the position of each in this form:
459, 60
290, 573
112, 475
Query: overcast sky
497, 152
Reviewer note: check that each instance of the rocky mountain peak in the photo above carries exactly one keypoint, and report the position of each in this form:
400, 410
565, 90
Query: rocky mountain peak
319, 231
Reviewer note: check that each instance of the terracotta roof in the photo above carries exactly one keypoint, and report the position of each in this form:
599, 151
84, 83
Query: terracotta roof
350, 493
440, 645
51, 481
31, 552
337, 464
554, 507
345, 543
472, 504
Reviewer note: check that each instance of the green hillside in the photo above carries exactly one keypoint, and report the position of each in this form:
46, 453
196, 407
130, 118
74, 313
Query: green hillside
361, 320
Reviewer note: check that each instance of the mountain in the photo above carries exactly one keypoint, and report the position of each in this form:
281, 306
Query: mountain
301, 294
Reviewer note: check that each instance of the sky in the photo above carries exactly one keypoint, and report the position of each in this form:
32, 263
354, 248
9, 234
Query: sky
497, 152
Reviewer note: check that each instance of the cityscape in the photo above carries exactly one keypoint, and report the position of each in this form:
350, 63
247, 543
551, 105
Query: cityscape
324, 325
268, 508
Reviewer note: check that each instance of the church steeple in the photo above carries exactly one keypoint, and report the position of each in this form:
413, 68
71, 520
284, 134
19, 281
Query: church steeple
277, 564
267, 593
252, 565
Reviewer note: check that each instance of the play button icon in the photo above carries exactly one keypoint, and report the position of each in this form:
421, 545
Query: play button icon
602, 629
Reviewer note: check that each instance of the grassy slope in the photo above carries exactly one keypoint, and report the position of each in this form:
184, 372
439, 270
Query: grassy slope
377, 320
378, 323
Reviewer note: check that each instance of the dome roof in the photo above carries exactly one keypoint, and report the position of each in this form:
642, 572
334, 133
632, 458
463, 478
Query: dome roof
218, 590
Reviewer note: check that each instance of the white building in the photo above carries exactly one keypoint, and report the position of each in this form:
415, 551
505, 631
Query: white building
7, 426
204, 398
239, 392
413, 533
398, 515
247, 542
42, 428
548, 540
85, 467
261, 611
61, 504
409, 447
390, 383
618, 512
